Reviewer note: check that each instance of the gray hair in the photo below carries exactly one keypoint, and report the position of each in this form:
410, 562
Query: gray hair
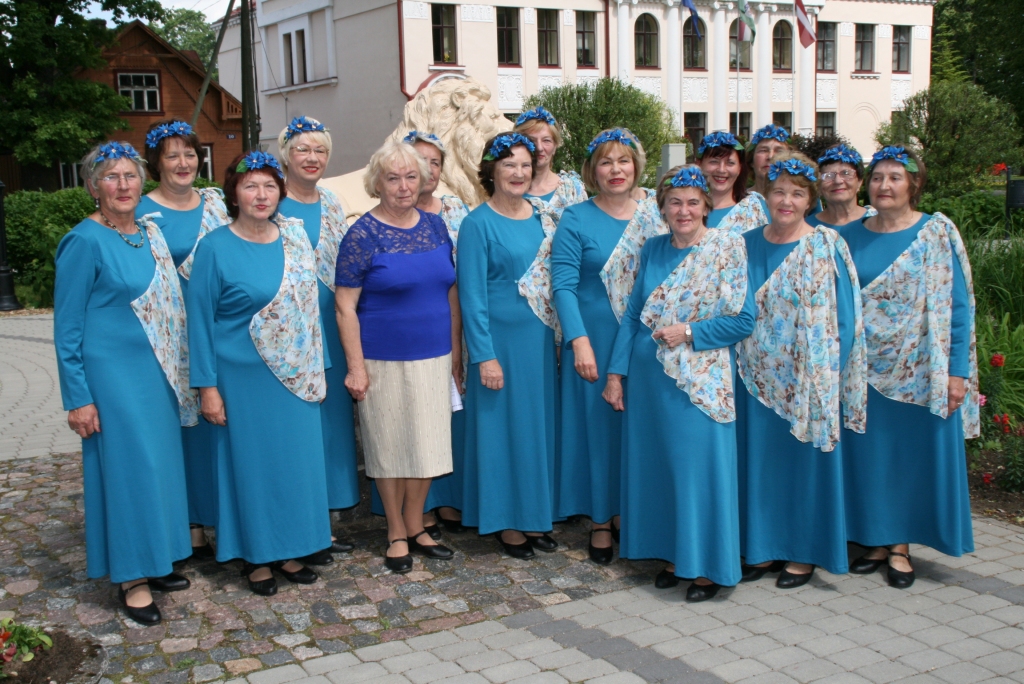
393, 155
91, 172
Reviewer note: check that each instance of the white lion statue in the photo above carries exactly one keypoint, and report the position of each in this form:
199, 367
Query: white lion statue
460, 112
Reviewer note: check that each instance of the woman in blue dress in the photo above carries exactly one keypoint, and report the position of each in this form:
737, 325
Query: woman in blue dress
549, 191
805, 356
185, 214
257, 356
842, 172
594, 260
723, 162
906, 478
690, 304
119, 330
305, 151
511, 385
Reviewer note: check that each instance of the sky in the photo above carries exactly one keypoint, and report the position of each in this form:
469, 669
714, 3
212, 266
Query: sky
213, 9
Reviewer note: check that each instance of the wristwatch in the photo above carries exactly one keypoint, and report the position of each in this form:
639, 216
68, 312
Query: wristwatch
689, 334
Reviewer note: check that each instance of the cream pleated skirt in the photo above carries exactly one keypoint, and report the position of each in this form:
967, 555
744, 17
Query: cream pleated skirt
406, 418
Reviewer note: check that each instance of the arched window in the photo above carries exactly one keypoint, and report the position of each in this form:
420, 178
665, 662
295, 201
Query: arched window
645, 33
742, 49
693, 47
782, 46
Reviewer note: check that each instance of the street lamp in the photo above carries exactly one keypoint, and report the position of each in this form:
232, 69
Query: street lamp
8, 301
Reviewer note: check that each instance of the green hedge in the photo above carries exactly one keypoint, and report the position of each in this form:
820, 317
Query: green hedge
975, 213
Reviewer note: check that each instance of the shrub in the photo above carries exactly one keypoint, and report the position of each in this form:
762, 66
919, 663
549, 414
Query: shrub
1003, 386
976, 214
998, 269
583, 111
815, 145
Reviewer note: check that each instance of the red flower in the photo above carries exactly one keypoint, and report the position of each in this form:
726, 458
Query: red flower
986, 478
1006, 429
998, 169
1006, 419
998, 361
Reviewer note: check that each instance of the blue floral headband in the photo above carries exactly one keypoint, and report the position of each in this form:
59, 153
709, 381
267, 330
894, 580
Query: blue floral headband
175, 128
506, 141
619, 135
256, 160
416, 136
302, 124
770, 132
719, 139
841, 153
538, 113
687, 177
896, 153
115, 150
794, 167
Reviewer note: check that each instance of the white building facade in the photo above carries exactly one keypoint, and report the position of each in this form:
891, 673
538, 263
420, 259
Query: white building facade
354, 63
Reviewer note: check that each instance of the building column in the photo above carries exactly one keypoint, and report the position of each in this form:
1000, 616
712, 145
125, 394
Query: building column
675, 61
624, 50
720, 70
806, 77
763, 70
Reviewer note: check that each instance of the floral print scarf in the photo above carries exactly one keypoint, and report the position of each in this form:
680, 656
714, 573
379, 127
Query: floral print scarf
619, 272
215, 215
791, 362
747, 214
332, 229
908, 314
453, 210
711, 281
286, 331
161, 310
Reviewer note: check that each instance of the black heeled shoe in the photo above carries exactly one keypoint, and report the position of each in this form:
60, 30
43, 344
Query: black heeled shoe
521, 551
752, 573
542, 542
436, 551
202, 552
867, 566
897, 578
433, 531
789, 580
341, 546
146, 615
696, 593
319, 558
267, 587
598, 554
397, 564
301, 576
168, 583
450, 526
615, 532
666, 579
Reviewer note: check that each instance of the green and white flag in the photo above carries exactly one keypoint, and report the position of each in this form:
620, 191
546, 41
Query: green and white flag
745, 31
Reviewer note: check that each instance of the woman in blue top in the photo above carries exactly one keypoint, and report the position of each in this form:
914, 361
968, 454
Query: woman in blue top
723, 162
805, 356
258, 358
511, 385
906, 478
842, 172
594, 259
119, 329
549, 191
397, 307
305, 151
185, 214
766, 143
691, 303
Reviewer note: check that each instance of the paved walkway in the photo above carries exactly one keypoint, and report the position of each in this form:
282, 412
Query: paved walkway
483, 617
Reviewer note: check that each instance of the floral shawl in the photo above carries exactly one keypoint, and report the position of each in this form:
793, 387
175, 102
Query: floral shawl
215, 215
619, 272
908, 313
710, 282
332, 229
453, 210
791, 362
286, 331
570, 191
747, 214
161, 310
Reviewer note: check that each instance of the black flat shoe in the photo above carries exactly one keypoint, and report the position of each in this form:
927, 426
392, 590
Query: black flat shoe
267, 587
398, 564
147, 615
788, 580
665, 580
450, 526
319, 558
615, 533
542, 542
752, 573
867, 566
436, 551
524, 550
696, 593
897, 578
341, 546
172, 582
301, 576
598, 554
202, 552
434, 531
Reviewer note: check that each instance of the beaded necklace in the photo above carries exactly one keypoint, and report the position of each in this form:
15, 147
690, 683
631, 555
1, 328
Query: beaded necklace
110, 224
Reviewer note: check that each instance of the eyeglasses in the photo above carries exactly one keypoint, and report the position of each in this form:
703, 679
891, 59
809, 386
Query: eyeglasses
318, 151
845, 174
115, 179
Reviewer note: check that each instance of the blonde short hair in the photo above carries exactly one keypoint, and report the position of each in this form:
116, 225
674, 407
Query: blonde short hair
392, 155
532, 125
801, 181
589, 170
285, 143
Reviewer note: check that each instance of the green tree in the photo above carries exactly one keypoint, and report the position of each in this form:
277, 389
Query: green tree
187, 29
47, 112
947, 63
583, 111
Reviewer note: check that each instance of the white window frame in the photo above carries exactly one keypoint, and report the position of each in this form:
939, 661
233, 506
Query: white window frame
76, 177
290, 27
206, 170
133, 88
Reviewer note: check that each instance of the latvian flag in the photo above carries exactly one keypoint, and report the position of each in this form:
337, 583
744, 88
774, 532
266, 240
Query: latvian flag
807, 36
745, 30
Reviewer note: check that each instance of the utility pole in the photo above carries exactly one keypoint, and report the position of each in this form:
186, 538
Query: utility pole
250, 119
213, 63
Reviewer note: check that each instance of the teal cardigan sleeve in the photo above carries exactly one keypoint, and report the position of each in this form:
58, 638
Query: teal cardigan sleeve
630, 323
76, 275
960, 334
472, 270
566, 263
725, 331
204, 291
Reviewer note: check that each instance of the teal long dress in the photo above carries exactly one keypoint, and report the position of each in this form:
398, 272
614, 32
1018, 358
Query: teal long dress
272, 495
511, 435
791, 494
590, 430
906, 477
679, 479
136, 506
336, 412
181, 230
